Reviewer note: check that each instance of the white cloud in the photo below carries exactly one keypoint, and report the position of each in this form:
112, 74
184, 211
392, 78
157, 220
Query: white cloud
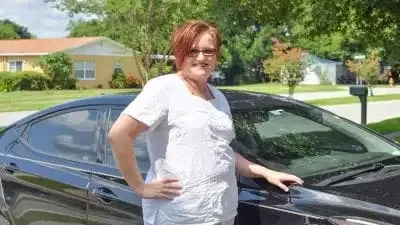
39, 17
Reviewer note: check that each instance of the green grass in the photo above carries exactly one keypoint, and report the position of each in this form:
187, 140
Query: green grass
275, 88
386, 126
36, 100
353, 99
2, 128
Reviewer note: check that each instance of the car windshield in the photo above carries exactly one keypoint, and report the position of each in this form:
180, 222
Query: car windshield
306, 141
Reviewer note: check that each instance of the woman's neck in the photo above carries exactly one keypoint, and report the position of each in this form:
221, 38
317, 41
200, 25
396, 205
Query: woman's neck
197, 87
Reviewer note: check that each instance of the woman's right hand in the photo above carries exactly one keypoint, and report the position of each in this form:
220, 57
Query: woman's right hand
166, 188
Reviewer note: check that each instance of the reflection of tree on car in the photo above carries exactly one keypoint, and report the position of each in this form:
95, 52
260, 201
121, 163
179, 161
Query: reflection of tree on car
303, 141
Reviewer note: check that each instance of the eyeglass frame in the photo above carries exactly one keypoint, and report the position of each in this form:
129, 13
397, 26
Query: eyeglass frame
197, 52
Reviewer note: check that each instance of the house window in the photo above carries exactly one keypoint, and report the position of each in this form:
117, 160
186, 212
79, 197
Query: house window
15, 65
84, 70
117, 67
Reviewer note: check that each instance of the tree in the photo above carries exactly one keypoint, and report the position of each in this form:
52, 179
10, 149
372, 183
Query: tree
243, 52
12, 30
58, 66
7, 32
346, 27
287, 64
144, 26
368, 69
82, 28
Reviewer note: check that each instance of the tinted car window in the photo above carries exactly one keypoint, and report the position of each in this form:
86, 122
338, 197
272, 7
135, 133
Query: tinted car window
140, 145
71, 135
306, 143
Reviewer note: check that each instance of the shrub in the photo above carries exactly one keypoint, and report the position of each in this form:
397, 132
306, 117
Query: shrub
118, 80
287, 64
59, 67
27, 80
133, 82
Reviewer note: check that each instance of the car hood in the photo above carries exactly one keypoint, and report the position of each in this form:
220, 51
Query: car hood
374, 199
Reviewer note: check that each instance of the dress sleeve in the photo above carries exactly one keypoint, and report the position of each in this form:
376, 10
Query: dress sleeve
226, 109
150, 106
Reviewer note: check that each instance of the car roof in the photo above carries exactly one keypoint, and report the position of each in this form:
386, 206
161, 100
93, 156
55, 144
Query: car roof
123, 99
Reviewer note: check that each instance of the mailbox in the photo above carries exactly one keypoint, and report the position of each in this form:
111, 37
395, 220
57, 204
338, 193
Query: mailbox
359, 90
362, 93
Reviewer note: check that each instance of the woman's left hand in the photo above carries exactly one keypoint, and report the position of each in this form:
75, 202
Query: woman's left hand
278, 179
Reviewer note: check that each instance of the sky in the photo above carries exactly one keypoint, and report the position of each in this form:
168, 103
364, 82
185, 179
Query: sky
40, 18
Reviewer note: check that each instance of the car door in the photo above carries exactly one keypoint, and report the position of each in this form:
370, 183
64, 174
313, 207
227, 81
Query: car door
46, 173
263, 204
111, 201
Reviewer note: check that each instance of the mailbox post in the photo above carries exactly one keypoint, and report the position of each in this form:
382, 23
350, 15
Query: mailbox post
362, 93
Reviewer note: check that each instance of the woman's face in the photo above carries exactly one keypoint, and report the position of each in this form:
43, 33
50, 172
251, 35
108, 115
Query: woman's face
201, 59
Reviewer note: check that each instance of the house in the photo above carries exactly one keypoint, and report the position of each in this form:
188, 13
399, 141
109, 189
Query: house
94, 58
325, 71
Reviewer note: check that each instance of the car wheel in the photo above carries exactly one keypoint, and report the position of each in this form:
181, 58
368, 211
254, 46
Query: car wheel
3, 221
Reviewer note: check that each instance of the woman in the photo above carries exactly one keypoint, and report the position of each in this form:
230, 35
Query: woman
189, 128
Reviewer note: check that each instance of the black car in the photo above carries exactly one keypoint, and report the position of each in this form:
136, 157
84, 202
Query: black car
57, 166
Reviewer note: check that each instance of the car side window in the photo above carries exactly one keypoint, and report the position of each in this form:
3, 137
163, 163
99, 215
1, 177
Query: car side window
294, 142
140, 145
72, 135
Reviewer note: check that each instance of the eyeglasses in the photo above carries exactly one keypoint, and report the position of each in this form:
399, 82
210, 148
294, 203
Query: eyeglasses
206, 52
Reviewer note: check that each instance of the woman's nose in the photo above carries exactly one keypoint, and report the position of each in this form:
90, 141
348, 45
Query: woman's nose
200, 56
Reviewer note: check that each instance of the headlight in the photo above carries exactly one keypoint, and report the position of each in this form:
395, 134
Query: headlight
354, 221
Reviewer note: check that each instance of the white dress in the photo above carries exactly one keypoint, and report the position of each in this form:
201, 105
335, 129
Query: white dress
188, 138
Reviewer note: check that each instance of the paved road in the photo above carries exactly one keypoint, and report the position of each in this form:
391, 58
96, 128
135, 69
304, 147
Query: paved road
8, 118
376, 111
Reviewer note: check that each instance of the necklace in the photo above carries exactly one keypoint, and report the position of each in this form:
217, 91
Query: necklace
193, 89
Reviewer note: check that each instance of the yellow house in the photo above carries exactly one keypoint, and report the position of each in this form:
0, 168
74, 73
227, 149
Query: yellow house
94, 58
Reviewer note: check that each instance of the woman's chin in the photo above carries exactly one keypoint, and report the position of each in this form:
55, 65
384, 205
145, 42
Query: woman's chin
201, 74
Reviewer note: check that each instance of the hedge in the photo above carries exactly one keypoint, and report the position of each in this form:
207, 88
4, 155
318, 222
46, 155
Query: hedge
26, 80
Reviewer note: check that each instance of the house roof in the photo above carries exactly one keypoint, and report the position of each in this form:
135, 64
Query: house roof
42, 46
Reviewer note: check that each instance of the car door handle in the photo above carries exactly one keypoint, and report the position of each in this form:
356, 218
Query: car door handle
105, 194
9, 167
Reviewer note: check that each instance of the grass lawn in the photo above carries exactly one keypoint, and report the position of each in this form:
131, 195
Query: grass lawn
276, 88
353, 99
35, 100
386, 126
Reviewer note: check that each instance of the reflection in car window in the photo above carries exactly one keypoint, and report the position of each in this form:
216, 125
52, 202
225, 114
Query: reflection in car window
142, 157
71, 135
306, 143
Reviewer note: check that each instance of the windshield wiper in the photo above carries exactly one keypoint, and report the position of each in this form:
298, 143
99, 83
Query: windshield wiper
377, 167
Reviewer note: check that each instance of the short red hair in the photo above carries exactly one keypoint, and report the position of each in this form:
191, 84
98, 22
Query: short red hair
185, 35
